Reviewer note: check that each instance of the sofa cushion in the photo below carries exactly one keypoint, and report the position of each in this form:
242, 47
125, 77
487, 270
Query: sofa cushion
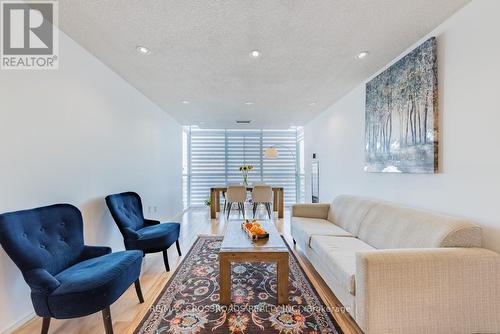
391, 226
339, 254
349, 211
304, 228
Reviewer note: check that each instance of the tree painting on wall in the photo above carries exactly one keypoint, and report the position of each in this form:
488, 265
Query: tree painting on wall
401, 116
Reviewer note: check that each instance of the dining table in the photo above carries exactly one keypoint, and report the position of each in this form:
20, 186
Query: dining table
216, 191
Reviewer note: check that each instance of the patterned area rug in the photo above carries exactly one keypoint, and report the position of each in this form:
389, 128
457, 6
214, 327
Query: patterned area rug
189, 302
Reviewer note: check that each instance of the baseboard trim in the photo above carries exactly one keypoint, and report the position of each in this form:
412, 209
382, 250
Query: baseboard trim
180, 214
18, 324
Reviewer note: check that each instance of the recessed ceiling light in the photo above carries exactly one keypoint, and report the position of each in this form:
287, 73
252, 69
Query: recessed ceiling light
248, 103
363, 54
255, 53
185, 102
143, 50
312, 104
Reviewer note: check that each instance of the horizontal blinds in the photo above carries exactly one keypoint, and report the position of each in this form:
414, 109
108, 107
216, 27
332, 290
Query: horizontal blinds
207, 163
216, 155
243, 148
282, 170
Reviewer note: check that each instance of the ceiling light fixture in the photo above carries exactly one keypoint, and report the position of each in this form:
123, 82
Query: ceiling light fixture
363, 54
255, 53
185, 102
312, 104
248, 103
143, 50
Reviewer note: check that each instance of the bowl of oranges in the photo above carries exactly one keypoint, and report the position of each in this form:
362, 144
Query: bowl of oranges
254, 230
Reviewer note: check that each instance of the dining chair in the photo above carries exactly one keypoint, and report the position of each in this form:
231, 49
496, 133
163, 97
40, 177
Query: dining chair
224, 206
235, 194
67, 278
262, 194
149, 236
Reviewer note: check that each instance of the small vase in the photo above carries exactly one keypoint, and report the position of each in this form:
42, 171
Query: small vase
245, 180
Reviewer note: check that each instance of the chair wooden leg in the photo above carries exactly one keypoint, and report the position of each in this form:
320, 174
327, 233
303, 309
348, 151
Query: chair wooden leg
178, 247
138, 290
165, 260
45, 325
254, 209
294, 242
243, 209
108, 323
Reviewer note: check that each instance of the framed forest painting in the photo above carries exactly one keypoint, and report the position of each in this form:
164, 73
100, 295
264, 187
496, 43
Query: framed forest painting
401, 116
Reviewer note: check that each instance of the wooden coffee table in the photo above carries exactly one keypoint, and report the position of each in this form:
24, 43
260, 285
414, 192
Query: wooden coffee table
238, 247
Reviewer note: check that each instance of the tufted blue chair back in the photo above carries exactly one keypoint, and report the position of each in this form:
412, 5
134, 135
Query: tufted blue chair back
126, 209
49, 238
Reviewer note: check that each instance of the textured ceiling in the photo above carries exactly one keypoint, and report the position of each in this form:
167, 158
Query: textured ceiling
200, 51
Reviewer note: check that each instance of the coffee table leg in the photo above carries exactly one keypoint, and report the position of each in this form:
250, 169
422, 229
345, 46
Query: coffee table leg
283, 280
225, 280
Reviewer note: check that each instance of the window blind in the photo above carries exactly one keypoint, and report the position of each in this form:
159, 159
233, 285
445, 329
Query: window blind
215, 155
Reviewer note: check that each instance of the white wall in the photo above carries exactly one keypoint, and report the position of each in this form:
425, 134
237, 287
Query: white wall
75, 135
469, 182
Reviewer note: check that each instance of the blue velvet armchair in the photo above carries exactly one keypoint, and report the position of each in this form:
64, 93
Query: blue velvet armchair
67, 278
138, 233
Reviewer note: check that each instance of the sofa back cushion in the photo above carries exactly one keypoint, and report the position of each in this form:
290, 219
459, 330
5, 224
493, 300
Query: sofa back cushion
390, 226
349, 211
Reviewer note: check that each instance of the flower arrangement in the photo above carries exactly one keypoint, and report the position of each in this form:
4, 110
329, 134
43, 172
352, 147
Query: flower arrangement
244, 171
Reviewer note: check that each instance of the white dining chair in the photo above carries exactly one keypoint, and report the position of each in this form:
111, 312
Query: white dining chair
224, 207
262, 194
235, 194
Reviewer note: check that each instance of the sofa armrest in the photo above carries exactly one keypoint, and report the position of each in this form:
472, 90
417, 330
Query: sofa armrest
150, 222
41, 281
457, 290
314, 210
90, 252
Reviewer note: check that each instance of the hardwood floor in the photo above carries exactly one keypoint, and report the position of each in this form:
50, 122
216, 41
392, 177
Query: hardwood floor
127, 312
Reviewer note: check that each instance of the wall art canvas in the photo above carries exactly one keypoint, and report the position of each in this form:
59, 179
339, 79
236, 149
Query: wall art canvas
401, 116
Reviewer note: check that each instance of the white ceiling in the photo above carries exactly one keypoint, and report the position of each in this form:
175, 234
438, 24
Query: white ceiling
201, 51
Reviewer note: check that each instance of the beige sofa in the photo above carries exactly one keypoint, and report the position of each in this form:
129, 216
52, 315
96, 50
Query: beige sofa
401, 270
